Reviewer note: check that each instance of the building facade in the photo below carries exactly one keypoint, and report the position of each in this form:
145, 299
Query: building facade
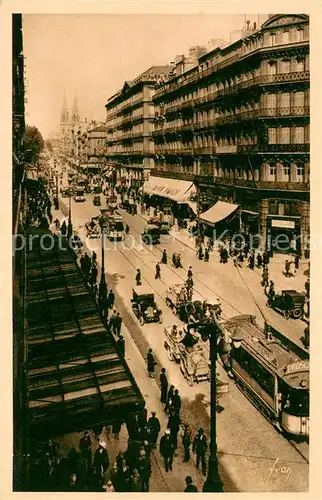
129, 123
238, 124
71, 129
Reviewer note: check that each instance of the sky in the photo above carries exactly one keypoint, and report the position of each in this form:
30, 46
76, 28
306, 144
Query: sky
91, 55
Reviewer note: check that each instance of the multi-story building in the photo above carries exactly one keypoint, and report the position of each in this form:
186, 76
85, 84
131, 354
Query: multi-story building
238, 124
129, 122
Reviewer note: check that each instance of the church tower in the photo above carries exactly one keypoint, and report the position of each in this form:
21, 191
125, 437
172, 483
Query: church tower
75, 113
64, 118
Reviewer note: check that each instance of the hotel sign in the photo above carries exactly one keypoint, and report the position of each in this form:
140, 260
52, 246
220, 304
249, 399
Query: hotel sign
286, 224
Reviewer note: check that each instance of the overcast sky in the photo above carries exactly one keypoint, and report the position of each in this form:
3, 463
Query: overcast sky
92, 55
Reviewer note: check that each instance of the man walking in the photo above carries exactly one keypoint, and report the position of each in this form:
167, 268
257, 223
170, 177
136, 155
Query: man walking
186, 442
85, 446
167, 450
121, 345
287, 269
151, 362
154, 428
174, 426
157, 272
164, 386
176, 402
118, 324
200, 447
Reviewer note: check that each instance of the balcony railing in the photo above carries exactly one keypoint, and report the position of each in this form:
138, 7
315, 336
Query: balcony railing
267, 185
264, 113
273, 148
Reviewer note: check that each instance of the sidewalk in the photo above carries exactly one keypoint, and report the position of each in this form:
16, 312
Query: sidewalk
160, 480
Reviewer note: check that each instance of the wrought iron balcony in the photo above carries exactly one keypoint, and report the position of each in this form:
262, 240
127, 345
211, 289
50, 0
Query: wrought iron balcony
273, 148
264, 185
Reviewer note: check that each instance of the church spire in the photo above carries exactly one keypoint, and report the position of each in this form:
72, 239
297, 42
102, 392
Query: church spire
64, 111
75, 112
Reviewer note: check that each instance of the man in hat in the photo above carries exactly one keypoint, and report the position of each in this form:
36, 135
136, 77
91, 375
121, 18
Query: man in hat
174, 426
151, 362
200, 447
118, 324
186, 441
101, 462
145, 470
176, 402
164, 386
154, 428
167, 450
85, 446
190, 487
121, 345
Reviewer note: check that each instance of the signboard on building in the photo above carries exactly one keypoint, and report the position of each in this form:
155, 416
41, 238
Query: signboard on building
298, 366
286, 224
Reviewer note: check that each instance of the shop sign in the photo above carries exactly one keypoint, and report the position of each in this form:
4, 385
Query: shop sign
286, 224
298, 366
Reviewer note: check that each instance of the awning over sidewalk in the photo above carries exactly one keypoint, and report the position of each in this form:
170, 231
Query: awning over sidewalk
76, 377
174, 189
218, 212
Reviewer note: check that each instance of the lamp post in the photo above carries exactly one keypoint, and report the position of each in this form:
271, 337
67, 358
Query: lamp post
69, 227
102, 292
211, 331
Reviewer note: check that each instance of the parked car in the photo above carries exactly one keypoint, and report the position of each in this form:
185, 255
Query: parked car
79, 195
151, 235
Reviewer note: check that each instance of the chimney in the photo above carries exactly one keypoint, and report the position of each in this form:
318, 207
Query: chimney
254, 26
247, 24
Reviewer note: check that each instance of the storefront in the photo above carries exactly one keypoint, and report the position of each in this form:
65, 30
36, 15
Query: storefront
283, 234
174, 193
223, 217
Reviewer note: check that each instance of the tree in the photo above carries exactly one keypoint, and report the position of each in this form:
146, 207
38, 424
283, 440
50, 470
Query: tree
33, 143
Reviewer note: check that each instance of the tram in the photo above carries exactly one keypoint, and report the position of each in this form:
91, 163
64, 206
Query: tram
275, 379
115, 230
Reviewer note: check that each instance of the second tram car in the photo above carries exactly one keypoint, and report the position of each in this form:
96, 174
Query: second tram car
273, 377
116, 229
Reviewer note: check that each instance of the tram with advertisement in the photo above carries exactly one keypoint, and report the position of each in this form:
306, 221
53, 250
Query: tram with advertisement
274, 378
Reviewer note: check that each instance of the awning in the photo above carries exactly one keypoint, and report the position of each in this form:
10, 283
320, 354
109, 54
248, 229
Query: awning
218, 212
174, 189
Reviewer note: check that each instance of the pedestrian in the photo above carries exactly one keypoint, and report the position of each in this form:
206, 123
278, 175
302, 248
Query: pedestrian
82, 263
142, 417
157, 271
164, 386
127, 229
200, 447
174, 259
307, 287
174, 426
190, 487
167, 450
251, 261
144, 469
111, 299
151, 362
265, 277
85, 446
176, 401
190, 273
135, 481
164, 259
138, 277
169, 398
109, 488
121, 345
124, 477
206, 257
118, 324
101, 462
154, 428
271, 290
200, 253
287, 269
190, 282
297, 262
186, 442
94, 258
116, 428
259, 260
112, 322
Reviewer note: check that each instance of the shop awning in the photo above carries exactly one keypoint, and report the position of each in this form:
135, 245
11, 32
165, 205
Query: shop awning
218, 212
76, 377
174, 189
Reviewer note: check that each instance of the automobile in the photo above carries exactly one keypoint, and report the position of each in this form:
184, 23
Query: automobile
97, 200
79, 195
65, 193
144, 306
76, 243
289, 302
92, 229
165, 227
151, 235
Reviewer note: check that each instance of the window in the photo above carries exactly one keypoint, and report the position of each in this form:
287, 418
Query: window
286, 37
272, 173
257, 372
273, 208
286, 173
284, 135
300, 64
285, 100
298, 99
272, 136
272, 39
271, 100
300, 35
298, 137
299, 173
286, 66
272, 68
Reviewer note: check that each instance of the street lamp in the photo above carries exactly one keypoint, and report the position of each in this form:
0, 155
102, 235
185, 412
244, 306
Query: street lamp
102, 292
69, 227
211, 331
